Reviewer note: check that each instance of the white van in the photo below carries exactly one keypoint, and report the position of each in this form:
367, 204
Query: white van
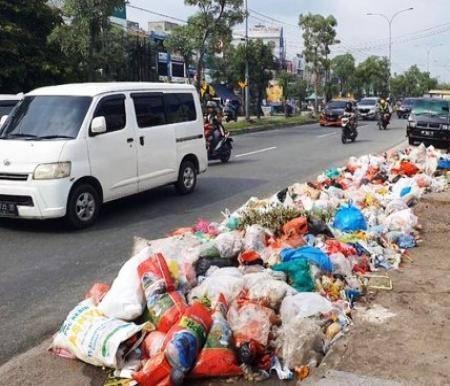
64, 150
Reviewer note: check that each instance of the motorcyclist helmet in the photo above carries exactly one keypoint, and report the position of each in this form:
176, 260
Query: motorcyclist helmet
211, 104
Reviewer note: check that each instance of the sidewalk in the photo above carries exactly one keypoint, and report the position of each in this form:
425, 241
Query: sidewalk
412, 346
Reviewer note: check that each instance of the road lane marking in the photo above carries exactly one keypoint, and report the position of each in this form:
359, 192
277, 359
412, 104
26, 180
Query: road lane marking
255, 152
326, 135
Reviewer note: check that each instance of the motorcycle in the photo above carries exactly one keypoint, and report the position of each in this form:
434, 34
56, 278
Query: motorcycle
349, 128
383, 121
221, 150
230, 113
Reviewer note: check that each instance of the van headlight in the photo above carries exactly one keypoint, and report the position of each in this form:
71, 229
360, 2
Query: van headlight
52, 171
445, 127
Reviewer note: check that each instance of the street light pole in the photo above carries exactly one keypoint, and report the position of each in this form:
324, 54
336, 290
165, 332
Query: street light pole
247, 93
389, 21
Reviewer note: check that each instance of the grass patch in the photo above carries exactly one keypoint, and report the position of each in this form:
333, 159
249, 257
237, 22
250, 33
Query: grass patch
278, 121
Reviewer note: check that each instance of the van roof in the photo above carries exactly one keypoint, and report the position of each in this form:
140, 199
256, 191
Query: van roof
93, 89
10, 97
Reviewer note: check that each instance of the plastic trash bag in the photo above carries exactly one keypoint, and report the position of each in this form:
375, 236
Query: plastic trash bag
350, 219
341, 264
155, 276
444, 163
403, 220
229, 244
180, 349
255, 238
227, 281
304, 304
125, 300
97, 292
96, 339
262, 287
310, 254
251, 325
298, 272
217, 358
300, 342
294, 230
153, 343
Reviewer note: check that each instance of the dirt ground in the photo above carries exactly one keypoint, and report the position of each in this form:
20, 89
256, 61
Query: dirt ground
413, 346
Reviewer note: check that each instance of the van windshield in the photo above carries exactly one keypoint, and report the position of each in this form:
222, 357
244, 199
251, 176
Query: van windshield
46, 117
436, 107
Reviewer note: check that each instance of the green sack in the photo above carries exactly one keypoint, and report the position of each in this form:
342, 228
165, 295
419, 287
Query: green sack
298, 274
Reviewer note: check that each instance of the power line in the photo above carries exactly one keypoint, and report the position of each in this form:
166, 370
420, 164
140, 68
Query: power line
273, 19
157, 13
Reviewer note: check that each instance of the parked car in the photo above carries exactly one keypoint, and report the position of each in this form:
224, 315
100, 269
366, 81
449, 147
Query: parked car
367, 108
405, 107
332, 114
67, 149
7, 103
429, 122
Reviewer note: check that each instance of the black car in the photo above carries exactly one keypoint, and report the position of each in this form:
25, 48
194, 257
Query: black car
332, 114
429, 122
405, 108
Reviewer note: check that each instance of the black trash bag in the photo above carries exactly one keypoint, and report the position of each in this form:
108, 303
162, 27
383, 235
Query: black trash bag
318, 227
204, 263
281, 195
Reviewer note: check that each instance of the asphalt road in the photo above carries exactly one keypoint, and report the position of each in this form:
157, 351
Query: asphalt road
46, 269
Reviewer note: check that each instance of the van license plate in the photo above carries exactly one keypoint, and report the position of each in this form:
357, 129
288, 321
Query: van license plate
8, 209
427, 133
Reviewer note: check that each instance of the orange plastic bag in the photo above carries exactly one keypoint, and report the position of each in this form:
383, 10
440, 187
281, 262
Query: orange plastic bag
294, 230
97, 292
408, 168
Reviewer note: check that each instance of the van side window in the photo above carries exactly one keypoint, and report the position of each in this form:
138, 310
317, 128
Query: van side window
180, 107
149, 109
113, 109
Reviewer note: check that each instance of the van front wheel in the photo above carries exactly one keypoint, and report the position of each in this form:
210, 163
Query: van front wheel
187, 178
83, 206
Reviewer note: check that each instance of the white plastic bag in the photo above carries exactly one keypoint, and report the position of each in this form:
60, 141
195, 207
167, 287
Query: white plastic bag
403, 220
94, 338
229, 244
255, 238
262, 286
304, 304
341, 265
229, 281
125, 300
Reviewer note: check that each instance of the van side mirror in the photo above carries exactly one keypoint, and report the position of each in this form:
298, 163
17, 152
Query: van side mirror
98, 125
3, 120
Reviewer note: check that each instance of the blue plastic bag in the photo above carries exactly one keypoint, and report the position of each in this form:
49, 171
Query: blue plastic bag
350, 219
309, 254
444, 163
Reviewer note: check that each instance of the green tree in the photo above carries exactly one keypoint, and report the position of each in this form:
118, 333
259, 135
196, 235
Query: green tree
343, 67
298, 89
413, 83
90, 38
319, 33
27, 60
211, 27
261, 65
372, 76
284, 80
181, 42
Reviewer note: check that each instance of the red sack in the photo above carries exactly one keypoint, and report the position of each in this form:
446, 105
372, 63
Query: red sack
165, 310
155, 276
97, 292
218, 359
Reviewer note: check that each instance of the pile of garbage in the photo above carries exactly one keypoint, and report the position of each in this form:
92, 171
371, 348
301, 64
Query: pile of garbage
270, 289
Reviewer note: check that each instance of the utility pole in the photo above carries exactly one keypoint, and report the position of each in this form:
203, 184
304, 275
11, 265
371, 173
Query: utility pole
389, 21
247, 93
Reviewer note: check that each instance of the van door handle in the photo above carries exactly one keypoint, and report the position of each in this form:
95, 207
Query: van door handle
141, 140
129, 140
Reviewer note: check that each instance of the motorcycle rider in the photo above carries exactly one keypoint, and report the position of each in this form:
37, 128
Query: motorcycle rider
383, 108
213, 118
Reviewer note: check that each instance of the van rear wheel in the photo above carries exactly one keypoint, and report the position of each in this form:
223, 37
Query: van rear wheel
187, 178
83, 206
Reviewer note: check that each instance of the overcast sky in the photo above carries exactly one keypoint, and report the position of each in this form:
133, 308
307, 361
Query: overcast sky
413, 32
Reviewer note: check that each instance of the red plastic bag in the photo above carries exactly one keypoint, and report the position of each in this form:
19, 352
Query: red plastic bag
155, 276
218, 359
153, 343
97, 292
408, 168
165, 310
250, 257
335, 246
181, 347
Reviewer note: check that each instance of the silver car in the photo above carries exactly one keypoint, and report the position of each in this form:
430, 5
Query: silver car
367, 108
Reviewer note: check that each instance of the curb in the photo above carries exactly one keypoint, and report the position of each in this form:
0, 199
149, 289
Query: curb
268, 127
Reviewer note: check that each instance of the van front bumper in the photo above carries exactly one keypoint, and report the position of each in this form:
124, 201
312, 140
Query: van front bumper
43, 199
